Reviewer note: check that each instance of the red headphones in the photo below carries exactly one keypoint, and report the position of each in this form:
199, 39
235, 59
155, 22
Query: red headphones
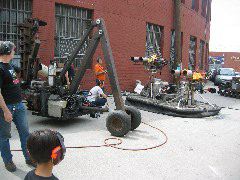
58, 152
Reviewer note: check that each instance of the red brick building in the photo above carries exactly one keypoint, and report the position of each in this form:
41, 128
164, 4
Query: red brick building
130, 24
231, 59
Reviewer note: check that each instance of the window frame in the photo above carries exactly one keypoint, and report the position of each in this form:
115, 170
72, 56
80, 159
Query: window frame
8, 25
152, 42
195, 5
201, 55
172, 47
71, 24
192, 53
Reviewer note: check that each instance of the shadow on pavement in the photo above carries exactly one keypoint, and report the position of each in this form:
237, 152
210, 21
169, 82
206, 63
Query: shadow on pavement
74, 125
62, 123
20, 173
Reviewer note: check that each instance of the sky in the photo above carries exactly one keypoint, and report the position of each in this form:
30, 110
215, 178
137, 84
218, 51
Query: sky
225, 26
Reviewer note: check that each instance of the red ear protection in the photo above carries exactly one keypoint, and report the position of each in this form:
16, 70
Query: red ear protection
58, 152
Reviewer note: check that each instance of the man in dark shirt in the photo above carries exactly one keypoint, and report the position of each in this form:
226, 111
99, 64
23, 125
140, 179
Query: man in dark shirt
11, 107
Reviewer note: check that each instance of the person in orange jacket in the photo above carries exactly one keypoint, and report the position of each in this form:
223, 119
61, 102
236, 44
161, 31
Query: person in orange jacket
100, 71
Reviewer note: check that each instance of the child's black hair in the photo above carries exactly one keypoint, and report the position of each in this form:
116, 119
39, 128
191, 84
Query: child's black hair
40, 145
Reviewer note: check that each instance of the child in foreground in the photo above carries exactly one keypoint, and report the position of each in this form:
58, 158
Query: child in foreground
46, 148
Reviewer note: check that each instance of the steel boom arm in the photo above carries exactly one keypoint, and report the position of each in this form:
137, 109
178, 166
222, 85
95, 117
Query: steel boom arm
100, 35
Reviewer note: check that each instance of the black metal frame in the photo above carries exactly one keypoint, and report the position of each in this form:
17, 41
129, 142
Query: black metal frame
31, 62
100, 35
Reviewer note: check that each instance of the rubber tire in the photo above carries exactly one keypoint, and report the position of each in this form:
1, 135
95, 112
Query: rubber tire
122, 117
136, 117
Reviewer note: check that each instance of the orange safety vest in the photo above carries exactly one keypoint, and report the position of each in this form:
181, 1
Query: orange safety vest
98, 68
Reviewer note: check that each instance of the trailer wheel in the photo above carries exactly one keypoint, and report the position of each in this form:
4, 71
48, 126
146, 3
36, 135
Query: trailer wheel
135, 116
118, 123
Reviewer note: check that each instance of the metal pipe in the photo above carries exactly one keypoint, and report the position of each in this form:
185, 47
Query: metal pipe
96, 109
177, 26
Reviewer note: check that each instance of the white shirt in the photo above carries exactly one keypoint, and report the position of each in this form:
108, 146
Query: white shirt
95, 92
138, 89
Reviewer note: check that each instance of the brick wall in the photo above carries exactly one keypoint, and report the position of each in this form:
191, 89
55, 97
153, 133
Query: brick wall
126, 25
231, 59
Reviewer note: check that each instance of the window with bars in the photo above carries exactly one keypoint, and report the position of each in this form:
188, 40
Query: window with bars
172, 49
201, 54
204, 8
192, 53
206, 56
208, 14
153, 39
195, 5
13, 12
71, 24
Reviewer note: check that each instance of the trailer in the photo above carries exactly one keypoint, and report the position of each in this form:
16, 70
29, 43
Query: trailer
172, 99
58, 101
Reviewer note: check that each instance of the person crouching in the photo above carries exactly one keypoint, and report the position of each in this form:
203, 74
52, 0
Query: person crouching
96, 95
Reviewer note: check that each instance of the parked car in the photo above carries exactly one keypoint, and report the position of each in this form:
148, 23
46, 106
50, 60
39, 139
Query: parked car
237, 74
224, 75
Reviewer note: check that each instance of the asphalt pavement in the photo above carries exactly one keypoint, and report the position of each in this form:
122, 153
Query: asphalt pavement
207, 148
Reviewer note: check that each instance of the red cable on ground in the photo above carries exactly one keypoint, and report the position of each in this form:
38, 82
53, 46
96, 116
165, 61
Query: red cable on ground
140, 149
114, 145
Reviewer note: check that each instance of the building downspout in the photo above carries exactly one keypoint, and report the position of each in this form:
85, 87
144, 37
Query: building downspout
177, 40
177, 27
